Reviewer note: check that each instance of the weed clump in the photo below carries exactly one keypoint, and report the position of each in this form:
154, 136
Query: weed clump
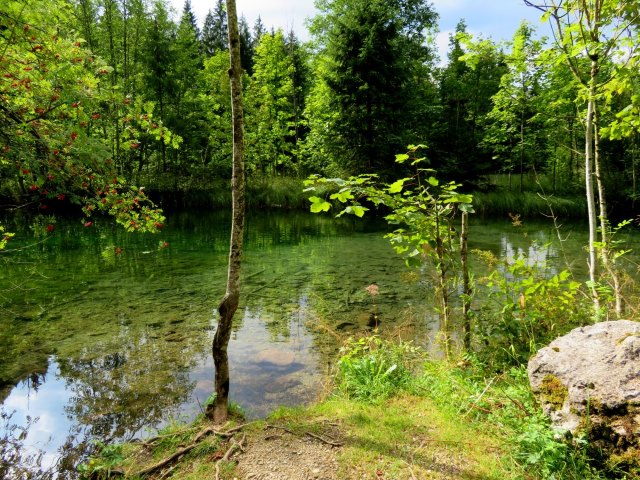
372, 369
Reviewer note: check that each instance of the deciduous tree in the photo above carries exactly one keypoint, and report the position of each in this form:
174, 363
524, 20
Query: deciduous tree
597, 40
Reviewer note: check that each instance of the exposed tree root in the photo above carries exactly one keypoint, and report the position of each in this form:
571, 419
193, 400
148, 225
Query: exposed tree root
234, 446
184, 450
151, 441
329, 441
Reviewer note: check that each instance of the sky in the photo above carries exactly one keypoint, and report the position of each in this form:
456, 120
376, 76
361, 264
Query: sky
497, 19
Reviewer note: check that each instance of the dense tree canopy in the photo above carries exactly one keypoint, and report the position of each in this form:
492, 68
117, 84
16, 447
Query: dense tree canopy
62, 122
130, 78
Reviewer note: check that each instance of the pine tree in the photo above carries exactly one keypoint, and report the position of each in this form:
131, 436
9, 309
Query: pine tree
258, 31
247, 51
207, 39
214, 31
372, 49
188, 17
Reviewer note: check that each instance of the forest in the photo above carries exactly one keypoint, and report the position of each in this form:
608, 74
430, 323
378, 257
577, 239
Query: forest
127, 112
145, 99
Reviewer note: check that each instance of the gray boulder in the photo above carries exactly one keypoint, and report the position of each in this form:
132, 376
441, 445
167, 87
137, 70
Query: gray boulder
588, 382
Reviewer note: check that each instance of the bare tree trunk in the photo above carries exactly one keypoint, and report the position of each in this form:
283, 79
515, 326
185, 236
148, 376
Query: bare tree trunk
466, 282
634, 172
443, 291
219, 410
591, 204
605, 231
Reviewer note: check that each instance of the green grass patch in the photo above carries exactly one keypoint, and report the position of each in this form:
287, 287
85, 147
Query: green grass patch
436, 420
403, 437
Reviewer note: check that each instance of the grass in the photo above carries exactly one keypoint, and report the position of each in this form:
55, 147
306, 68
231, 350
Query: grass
261, 192
529, 204
288, 192
443, 420
205, 191
403, 437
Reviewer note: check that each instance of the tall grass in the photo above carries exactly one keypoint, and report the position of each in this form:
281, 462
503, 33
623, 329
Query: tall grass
372, 371
288, 192
261, 191
530, 204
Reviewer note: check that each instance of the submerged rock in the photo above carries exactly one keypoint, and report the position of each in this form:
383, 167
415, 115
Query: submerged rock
276, 357
588, 383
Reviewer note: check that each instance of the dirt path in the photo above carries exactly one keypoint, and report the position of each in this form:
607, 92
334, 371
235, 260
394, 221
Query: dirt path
275, 454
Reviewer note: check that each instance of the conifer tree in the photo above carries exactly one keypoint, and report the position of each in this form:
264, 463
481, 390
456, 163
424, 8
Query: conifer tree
214, 31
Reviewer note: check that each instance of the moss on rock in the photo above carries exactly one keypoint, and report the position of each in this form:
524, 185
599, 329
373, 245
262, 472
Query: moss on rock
553, 391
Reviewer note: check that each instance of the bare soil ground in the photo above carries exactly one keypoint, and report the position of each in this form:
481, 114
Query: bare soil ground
276, 454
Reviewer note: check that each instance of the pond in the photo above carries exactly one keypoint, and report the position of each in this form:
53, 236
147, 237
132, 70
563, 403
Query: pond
107, 335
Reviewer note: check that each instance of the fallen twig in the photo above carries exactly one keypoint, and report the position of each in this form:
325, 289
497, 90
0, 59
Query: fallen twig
413, 476
324, 440
480, 397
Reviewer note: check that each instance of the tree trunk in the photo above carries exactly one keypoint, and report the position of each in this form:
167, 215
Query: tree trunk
591, 204
634, 173
219, 410
605, 230
442, 289
466, 282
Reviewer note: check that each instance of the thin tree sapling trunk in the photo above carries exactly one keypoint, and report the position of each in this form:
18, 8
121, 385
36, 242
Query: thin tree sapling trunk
588, 174
466, 281
219, 410
605, 231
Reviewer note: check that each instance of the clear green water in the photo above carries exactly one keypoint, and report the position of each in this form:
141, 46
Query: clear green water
103, 345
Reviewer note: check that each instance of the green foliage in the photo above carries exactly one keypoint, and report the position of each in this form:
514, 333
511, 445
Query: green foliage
272, 114
214, 31
372, 369
466, 86
4, 237
58, 115
506, 405
529, 305
513, 128
425, 209
370, 75
100, 466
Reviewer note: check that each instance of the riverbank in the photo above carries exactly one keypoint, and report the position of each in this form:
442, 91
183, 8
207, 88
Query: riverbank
445, 421
288, 193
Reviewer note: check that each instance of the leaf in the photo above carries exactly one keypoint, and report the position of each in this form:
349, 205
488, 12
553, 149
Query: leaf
358, 210
396, 187
402, 157
320, 207
342, 196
